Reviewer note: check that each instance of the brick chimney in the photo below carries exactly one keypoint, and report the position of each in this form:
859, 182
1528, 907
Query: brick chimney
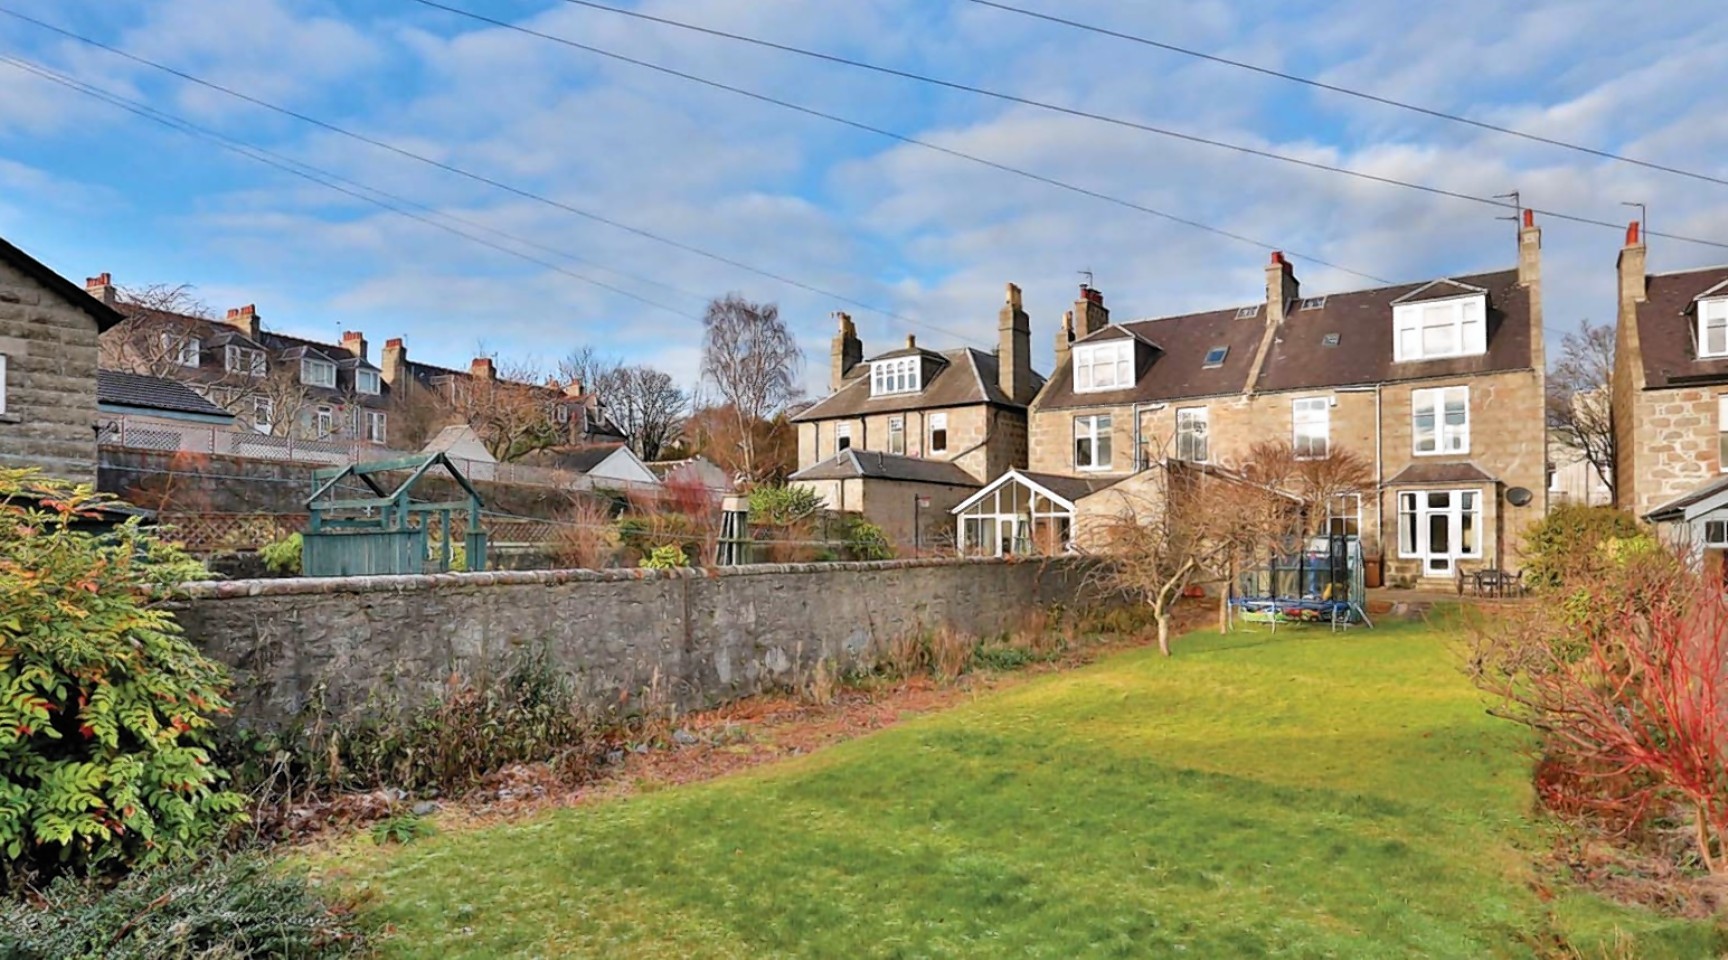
1281, 288
1632, 270
244, 319
573, 388
911, 341
481, 369
395, 361
1064, 339
102, 288
354, 342
1090, 316
1530, 278
847, 352
1014, 349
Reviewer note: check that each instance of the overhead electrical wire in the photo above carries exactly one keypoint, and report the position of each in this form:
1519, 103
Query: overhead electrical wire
1123, 122
488, 180
1349, 92
324, 178
903, 138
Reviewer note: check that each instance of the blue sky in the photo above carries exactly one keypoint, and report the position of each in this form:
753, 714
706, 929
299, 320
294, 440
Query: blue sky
89, 188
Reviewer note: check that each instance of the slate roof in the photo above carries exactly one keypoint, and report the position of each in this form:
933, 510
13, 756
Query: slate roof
152, 393
580, 459
1358, 323
853, 463
1070, 488
104, 315
1666, 322
963, 377
1448, 472
1676, 509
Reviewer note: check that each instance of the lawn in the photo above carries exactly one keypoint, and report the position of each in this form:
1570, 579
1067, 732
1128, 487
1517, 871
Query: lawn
1303, 795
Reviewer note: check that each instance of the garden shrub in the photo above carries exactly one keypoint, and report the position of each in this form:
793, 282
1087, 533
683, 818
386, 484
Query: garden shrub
105, 708
283, 556
225, 908
783, 506
1568, 538
867, 541
668, 556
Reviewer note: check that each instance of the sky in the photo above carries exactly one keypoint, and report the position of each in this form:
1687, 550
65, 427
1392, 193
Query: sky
906, 239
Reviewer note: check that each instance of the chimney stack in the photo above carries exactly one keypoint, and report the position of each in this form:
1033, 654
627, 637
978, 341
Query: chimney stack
911, 341
848, 352
354, 342
1530, 278
573, 388
1064, 339
1090, 316
395, 361
1282, 289
102, 288
1632, 270
244, 319
1014, 349
482, 369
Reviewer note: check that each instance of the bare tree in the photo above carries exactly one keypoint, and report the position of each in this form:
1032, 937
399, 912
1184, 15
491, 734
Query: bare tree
1314, 482
511, 412
753, 363
1578, 407
596, 372
648, 407
161, 322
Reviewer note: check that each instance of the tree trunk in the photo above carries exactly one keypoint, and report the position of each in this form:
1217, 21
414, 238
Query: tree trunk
1711, 863
1224, 597
1163, 632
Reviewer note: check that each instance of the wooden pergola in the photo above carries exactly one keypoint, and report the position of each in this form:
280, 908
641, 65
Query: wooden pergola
386, 533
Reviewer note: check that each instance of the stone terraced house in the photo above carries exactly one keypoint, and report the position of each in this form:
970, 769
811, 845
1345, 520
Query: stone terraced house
1670, 398
1438, 383
907, 434
49, 330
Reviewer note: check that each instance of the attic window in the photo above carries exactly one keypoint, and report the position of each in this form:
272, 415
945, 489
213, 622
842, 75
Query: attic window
1312, 303
1713, 328
1215, 357
1329, 340
1246, 313
902, 375
1104, 366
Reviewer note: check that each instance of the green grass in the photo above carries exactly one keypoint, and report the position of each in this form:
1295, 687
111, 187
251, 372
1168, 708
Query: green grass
1308, 795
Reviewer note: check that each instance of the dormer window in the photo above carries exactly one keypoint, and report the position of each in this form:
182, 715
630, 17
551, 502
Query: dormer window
1104, 366
902, 375
317, 373
1431, 329
366, 381
1713, 328
182, 350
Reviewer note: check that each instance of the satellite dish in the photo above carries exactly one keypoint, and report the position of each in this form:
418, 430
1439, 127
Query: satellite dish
1519, 496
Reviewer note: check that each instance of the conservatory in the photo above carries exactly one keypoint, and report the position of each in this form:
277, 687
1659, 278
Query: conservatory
1021, 514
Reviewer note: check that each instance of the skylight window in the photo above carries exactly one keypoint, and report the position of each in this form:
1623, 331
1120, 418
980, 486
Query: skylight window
1312, 303
1246, 312
1329, 340
1215, 356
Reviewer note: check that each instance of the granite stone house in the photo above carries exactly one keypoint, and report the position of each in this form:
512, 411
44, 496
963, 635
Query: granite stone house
1670, 398
49, 330
1438, 383
907, 434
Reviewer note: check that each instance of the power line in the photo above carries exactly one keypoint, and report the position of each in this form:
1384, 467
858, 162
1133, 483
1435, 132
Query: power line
325, 179
484, 179
1348, 92
903, 138
1122, 122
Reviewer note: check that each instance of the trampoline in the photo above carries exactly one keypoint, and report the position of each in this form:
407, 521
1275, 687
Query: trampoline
1317, 580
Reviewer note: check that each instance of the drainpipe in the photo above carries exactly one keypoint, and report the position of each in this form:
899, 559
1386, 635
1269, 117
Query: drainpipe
1378, 390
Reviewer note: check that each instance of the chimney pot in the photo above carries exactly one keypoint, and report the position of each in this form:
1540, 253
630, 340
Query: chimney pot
233, 312
394, 343
1632, 239
482, 368
1013, 295
100, 280
911, 342
1529, 218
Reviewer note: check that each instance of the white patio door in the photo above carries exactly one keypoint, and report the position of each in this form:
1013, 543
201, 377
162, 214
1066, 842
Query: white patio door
1440, 527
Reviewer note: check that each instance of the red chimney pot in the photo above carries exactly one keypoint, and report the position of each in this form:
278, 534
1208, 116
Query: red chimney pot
394, 343
1277, 256
1632, 234
1529, 218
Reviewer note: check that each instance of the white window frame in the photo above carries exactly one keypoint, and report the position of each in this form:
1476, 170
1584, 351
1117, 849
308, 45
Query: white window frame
1351, 512
263, 414
1713, 314
561, 413
238, 359
900, 375
185, 351
324, 422
376, 426
1415, 542
1714, 539
1193, 434
362, 376
1722, 433
897, 435
1311, 427
1417, 328
2, 383
842, 431
309, 364
1449, 439
1104, 366
938, 424
1096, 429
